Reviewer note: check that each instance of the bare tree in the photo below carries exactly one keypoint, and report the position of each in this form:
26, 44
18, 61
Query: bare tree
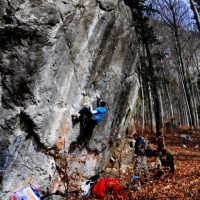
175, 14
196, 12
142, 12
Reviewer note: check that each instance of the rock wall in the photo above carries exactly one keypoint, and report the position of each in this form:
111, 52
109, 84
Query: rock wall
54, 57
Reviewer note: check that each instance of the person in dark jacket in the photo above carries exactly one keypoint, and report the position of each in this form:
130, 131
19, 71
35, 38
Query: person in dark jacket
88, 119
141, 157
167, 160
96, 115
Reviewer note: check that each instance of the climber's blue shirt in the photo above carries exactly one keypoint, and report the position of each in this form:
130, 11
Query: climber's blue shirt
99, 114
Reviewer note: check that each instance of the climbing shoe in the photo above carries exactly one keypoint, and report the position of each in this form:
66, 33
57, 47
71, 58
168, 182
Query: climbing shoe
76, 116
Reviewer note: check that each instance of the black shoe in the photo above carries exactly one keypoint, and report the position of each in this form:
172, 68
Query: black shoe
75, 120
75, 145
74, 117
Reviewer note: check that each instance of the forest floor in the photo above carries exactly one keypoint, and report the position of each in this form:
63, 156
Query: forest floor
183, 184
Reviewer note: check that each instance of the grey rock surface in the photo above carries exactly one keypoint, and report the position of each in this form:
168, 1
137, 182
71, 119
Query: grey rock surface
54, 57
54, 197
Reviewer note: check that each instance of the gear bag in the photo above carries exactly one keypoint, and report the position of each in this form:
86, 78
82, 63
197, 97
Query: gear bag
86, 187
26, 193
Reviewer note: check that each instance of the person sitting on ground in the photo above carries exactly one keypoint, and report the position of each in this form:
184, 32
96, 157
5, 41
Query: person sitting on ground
141, 157
96, 115
167, 160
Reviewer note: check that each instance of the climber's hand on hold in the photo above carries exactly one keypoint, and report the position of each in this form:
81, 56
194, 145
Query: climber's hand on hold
97, 96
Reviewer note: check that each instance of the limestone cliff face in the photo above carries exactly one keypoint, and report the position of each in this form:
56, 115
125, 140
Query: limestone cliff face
54, 57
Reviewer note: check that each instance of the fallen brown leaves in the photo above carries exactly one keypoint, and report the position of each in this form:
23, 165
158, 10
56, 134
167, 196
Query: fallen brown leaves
184, 184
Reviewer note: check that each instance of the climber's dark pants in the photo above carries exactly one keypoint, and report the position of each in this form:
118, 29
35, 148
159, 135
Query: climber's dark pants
87, 125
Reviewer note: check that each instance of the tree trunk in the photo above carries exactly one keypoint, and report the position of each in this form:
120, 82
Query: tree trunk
196, 14
182, 71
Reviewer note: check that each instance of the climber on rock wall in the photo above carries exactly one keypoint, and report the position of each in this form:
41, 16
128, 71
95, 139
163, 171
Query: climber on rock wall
96, 115
88, 119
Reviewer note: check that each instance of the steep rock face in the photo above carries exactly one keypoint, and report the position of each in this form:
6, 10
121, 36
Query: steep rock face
54, 57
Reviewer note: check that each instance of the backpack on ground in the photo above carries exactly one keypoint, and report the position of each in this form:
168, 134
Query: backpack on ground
105, 185
26, 193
